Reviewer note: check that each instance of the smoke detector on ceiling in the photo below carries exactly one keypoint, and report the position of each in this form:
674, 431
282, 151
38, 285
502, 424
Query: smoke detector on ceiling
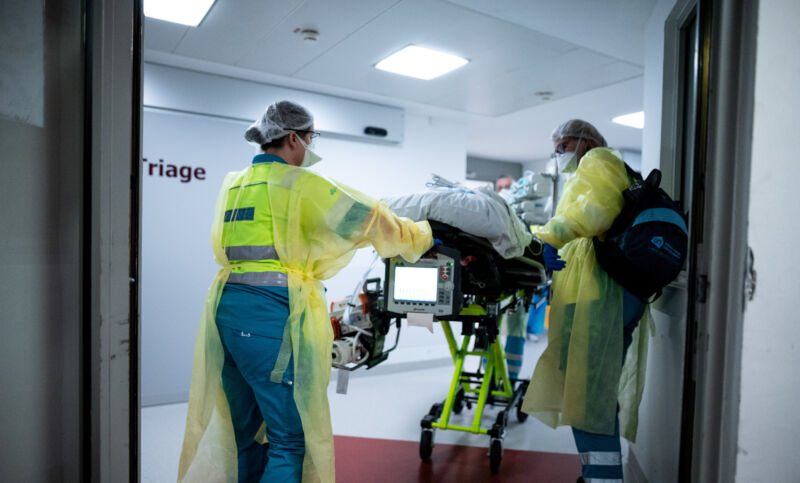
544, 95
310, 36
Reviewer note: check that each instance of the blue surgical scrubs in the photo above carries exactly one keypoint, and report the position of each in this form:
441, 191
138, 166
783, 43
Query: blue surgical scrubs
251, 321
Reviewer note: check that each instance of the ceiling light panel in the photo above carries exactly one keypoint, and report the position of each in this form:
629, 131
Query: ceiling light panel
420, 63
634, 119
184, 12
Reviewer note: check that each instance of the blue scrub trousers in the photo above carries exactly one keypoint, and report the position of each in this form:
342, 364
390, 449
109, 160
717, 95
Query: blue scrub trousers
250, 321
536, 316
515, 348
601, 454
515, 340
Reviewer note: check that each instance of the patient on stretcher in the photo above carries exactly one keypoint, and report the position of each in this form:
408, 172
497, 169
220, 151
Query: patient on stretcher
480, 212
484, 271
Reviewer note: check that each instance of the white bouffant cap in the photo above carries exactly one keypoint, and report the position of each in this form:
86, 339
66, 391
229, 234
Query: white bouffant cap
279, 120
577, 128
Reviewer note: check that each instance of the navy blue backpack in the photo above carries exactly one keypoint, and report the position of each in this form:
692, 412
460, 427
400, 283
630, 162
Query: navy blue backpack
646, 246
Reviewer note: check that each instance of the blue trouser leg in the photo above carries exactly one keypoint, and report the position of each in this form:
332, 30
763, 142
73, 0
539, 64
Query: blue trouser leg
253, 398
601, 456
536, 315
515, 347
246, 418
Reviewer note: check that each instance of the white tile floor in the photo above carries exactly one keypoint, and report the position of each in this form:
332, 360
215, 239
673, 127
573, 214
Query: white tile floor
379, 404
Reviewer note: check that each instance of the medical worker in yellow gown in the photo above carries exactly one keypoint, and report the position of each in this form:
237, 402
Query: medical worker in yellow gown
580, 380
258, 407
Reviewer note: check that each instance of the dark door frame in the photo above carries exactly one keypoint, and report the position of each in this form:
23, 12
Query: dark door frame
719, 211
112, 137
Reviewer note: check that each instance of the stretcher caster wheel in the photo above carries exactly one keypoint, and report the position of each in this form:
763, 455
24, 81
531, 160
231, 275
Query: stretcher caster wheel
521, 416
458, 404
495, 455
426, 444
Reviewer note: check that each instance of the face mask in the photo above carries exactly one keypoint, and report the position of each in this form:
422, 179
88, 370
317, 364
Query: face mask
567, 162
506, 195
310, 158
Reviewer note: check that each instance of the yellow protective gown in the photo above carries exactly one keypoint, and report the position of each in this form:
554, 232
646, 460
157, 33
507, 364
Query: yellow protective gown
580, 378
312, 247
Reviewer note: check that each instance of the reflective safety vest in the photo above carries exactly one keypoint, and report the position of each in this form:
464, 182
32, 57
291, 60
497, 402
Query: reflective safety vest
247, 232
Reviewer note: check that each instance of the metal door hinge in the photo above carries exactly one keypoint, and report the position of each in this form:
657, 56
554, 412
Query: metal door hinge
702, 288
749, 278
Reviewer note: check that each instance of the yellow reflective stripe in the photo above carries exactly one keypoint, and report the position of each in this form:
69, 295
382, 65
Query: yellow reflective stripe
251, 252
604, 458
260, 279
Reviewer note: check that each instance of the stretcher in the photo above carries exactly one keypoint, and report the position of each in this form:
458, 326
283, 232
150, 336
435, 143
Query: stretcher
463, 280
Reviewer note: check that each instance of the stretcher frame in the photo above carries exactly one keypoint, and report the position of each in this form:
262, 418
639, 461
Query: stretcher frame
492, 385
479, 313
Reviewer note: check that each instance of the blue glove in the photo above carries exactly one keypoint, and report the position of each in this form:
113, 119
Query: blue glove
436, 241
552, 261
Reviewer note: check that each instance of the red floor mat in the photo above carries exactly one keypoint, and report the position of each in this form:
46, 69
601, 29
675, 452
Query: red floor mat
366, 460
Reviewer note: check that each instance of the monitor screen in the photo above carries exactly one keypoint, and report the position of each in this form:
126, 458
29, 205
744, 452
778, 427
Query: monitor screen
415, 284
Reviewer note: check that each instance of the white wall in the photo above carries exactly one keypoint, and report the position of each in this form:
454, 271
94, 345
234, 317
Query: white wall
633, 159
538, 166
769, 423
656, 451
177, 263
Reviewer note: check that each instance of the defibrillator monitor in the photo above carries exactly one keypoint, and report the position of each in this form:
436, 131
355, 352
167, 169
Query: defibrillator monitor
431, 285
416, 284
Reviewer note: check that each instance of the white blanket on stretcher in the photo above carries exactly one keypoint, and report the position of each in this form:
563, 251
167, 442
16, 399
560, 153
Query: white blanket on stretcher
479, 212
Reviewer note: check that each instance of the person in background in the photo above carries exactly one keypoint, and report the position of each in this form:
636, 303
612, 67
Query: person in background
258, 407
583, 379
514, 327
503, 182
514, 320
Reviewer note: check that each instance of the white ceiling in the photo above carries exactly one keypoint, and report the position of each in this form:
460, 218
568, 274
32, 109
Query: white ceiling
588, 53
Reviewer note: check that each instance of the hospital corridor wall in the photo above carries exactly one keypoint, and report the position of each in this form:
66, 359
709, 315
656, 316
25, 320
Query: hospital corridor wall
185, 157
769, 423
